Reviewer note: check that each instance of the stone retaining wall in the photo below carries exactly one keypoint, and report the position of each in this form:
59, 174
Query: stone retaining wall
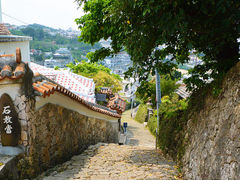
213, 150
56, 134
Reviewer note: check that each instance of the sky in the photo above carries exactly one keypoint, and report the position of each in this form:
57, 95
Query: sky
52, 13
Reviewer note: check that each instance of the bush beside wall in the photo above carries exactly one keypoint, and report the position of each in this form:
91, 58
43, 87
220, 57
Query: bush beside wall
141, 113
172, 113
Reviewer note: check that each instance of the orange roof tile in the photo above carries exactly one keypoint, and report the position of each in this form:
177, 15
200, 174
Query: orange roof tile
4, 30
10, 68
45, 87
107, 91
117, 103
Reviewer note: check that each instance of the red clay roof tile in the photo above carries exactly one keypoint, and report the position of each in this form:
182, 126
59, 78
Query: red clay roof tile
46, 88
4, 30
10, 68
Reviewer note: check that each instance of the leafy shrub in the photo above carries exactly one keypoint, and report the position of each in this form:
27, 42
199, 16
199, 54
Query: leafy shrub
147, 89
100, 74
172, 120
103, 79
152, 123
141, 113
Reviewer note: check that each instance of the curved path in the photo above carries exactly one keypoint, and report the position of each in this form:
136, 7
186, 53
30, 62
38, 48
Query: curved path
137, 160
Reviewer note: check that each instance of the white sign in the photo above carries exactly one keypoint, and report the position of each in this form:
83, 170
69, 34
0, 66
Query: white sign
7, 119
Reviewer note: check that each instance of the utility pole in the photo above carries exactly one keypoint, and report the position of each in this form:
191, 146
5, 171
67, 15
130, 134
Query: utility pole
1, 21
131, 105
158, 98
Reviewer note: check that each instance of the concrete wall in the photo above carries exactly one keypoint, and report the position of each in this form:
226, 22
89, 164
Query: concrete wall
10, 48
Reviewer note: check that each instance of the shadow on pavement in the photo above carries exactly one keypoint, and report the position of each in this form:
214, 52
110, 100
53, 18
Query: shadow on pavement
130, 136
140, 157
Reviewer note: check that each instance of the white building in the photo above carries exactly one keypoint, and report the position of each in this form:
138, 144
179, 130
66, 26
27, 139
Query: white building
9, 42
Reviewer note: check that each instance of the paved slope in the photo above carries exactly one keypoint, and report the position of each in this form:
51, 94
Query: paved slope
138, 160
136, 133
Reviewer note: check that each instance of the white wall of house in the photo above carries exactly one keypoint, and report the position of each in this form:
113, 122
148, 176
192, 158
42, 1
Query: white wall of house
10, 48
12, 90
68, 103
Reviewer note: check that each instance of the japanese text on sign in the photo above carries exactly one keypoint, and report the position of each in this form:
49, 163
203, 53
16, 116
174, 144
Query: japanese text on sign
7, 119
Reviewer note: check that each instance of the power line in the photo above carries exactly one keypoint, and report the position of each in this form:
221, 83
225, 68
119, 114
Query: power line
15, 18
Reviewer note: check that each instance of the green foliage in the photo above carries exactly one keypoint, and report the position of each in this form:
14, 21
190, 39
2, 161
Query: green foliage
103, 79
141, 113
88, 69
50, 43
150, 30
173, 118
56, 68
101, 75
44, 46
147, 89
152, 123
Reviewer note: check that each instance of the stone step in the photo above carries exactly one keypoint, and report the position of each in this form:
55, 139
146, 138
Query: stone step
8, 168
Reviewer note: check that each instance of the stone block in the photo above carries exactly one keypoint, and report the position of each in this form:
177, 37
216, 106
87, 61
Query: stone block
24, 125
22, 115
24, 136
22, 106
17, 100
23, 98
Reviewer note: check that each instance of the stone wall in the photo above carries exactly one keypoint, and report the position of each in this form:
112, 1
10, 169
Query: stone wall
25, 110
213, 150
56, 134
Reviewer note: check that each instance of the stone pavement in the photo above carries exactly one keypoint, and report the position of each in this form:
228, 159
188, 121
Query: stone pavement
137, 160
137, 134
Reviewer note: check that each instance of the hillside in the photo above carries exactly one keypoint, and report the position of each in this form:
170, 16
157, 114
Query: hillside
46, 39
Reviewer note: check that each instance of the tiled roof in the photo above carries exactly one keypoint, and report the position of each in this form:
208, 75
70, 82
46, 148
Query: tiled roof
45, 87
182, 91
82, 86
4, 30
107, 91
11, 67
117, 103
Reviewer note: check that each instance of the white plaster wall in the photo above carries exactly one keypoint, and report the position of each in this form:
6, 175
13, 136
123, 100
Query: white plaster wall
11, 89
68, 103
10, 48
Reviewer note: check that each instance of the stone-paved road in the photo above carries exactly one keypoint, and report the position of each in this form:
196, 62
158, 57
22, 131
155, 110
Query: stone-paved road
138, 160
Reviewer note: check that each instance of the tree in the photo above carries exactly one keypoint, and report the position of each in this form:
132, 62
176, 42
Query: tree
100, 74
103, 79
151, 30
147, 89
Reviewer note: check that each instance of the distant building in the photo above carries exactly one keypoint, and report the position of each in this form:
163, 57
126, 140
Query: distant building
60, 58
52, 63
119, 64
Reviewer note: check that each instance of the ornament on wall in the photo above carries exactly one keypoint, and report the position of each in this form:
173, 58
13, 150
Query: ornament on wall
9, 124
